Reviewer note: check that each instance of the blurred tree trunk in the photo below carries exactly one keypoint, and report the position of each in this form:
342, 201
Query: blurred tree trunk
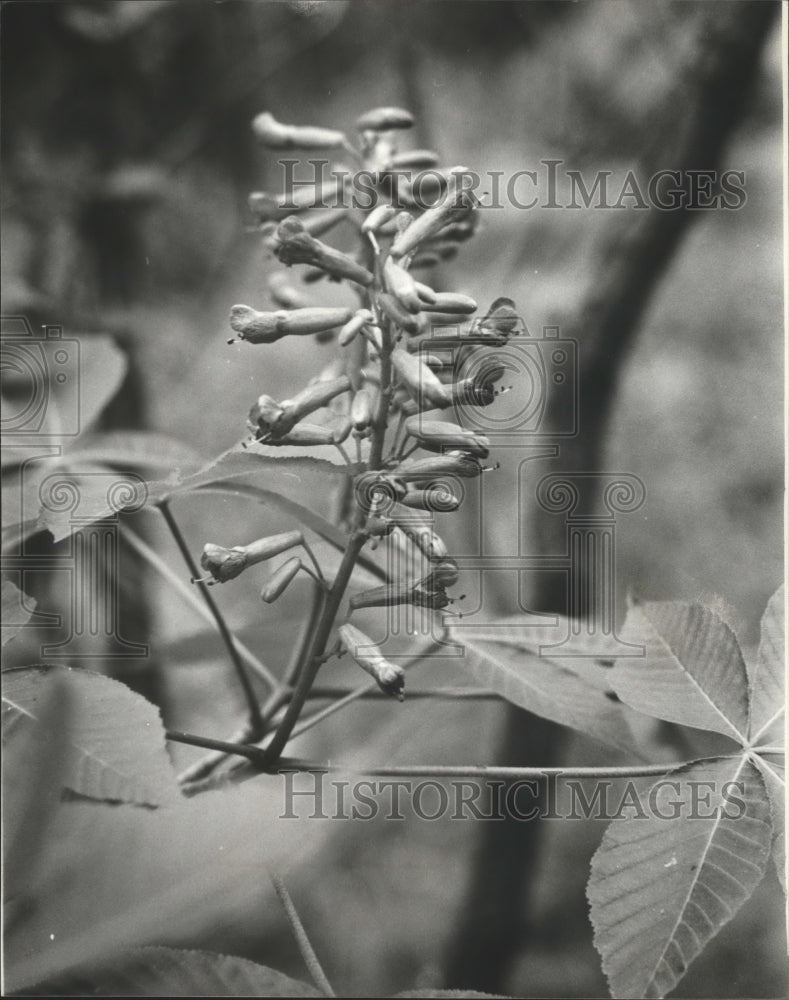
631, 263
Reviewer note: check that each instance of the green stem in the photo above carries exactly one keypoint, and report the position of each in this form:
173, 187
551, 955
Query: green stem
253, 708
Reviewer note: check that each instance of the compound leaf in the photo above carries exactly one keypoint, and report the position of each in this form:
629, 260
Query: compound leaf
115, 747
546, 687
693, 672
660, 890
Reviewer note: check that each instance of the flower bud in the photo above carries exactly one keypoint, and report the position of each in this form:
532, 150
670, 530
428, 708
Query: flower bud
280, 579
451, 464
296, 246
452, 303
362, 409
272, 545
426, 540
415, 159
304, 435
377, 491
397, 314
418, 378
378, 217
402, 286
353, 326
437, 499
390, 677
384, 119
437, 436
267, 327
426, 293
314, 397
275, 135
455, 205
443, 574
283, 294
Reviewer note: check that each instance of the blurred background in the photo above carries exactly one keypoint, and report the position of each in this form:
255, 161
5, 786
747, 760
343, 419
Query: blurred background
127, 162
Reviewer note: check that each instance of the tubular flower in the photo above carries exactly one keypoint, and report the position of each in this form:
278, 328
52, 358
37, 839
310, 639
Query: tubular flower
226, 564
438, 436
454, 207
389, 677
454, 463
296, 246
275, 135
418, 379
267, 327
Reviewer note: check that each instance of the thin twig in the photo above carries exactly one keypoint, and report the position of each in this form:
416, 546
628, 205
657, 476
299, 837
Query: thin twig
253, 708
187, 592
256, 756
447, 693
306, 949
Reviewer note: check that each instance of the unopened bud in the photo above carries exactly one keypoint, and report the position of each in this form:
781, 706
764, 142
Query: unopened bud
438, 436
304, 435
284, 294
397, 314
452, 464
402, 286
418, 378
455, 205
415, 159
378, 217
437, 499
444, 573
353, 326
280, 579
362, 409
452, 303
426, 293
389, 677
275, 135
384, 119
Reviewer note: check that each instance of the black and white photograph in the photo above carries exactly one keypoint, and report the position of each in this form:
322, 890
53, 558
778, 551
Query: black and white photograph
393, 485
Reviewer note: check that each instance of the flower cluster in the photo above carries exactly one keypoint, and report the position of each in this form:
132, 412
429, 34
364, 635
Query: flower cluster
389, 371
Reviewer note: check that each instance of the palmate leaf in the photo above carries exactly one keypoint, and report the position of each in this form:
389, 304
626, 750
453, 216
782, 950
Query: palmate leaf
547, 687
162, 972
284, 480
775, 783
114, 746
766, 676
660, 890
693, 672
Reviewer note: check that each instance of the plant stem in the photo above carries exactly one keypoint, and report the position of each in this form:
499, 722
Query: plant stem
312, 660
253, 708
258, 757
376, 694
306, 949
